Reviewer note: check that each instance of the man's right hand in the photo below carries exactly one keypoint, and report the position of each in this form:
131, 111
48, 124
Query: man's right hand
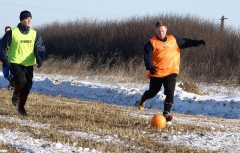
153, 70
5, 64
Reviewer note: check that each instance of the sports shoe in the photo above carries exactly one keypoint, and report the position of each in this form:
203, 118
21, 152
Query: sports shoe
15, 100
140, 104
22, 111
167, 116
11, 84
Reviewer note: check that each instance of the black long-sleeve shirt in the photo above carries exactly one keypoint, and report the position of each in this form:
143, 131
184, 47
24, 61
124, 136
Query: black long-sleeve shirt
181, 42
39, 47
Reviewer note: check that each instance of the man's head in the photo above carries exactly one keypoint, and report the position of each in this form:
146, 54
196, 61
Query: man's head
7, 28
25, 18
161, 29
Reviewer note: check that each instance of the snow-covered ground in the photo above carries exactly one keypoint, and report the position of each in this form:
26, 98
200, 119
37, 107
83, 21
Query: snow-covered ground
217, 101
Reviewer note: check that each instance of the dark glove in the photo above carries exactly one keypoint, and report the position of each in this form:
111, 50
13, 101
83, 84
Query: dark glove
153, 70
201, 42
39, 61
5, 64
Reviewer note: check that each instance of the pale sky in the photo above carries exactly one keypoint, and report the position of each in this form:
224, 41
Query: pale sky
47, 11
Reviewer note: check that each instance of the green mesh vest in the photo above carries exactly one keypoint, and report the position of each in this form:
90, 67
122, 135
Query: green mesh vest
21, 50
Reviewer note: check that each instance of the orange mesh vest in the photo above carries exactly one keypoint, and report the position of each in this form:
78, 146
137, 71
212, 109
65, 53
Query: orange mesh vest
165, 56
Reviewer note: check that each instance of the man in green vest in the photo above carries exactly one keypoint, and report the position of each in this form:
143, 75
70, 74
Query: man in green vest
22, 47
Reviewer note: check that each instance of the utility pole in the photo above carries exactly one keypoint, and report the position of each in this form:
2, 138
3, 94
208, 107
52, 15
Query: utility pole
222, 23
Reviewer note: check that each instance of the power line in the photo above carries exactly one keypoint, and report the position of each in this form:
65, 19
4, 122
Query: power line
61, 10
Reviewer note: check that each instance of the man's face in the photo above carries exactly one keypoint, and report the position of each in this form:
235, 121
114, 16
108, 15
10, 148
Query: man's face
161, 31
7, 29
26, 22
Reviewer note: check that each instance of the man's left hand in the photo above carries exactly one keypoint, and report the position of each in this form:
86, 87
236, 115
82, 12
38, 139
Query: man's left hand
39, 62
201, 42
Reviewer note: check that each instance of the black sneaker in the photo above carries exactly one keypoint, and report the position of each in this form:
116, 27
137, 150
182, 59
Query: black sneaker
11, 84
22, 111
10, 87
167, 116
15, 100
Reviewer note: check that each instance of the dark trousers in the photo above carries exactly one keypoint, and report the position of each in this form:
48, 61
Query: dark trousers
22, 76
169, 83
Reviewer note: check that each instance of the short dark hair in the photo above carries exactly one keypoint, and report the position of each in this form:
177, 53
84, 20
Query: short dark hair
160, 23
8, 27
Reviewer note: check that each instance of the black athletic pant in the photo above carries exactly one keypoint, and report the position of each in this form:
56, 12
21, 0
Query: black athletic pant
169, 83
22, 76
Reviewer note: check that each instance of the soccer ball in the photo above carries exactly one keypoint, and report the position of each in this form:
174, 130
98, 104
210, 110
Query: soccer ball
158, 121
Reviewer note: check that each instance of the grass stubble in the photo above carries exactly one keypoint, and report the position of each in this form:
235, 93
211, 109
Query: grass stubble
69, 116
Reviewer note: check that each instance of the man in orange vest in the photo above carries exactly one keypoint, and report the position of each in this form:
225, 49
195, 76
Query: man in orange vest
162, 59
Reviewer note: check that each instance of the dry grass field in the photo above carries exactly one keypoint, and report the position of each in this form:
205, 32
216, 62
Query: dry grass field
59, 119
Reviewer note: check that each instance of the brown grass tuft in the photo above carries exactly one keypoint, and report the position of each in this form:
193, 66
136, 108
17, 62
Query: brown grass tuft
191, 87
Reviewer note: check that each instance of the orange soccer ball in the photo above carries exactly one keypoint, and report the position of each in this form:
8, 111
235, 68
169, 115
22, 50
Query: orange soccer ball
158, 121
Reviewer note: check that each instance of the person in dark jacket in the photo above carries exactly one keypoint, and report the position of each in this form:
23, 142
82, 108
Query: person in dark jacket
5, 70
22, 48
162, 59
